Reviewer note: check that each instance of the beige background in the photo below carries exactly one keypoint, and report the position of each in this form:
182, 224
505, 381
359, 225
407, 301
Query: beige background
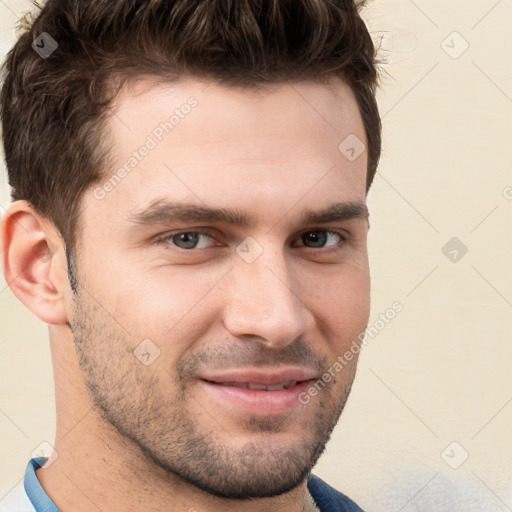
440, 371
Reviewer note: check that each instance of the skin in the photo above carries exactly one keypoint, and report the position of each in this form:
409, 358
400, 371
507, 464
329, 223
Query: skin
150, 438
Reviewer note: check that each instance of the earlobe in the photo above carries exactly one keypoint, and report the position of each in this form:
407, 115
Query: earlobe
31, 262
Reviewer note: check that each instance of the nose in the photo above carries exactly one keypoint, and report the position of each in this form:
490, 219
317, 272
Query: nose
263, 301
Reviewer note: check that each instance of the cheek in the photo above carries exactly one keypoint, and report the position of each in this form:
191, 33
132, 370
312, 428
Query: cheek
171, 307
348, 310
342, 302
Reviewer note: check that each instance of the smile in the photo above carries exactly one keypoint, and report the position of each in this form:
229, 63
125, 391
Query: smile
257, 391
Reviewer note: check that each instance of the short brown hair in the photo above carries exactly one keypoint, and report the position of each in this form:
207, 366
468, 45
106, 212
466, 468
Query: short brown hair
54, 109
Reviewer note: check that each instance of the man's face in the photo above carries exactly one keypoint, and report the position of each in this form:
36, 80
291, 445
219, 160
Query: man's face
213, 306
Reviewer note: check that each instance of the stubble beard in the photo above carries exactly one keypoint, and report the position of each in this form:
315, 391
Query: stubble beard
130, 398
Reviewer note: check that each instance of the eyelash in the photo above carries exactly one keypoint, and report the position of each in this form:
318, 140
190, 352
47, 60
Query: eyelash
336, 247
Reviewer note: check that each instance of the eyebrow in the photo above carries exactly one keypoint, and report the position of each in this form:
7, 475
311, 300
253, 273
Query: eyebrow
163, 211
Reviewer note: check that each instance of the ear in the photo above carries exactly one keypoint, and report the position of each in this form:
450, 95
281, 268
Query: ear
34, 262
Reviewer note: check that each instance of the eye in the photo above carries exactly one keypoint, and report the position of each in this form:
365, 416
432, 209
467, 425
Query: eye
187, 240
319, 239
191, 240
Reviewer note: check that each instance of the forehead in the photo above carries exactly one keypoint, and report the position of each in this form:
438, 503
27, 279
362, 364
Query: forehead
230, 113
265, 150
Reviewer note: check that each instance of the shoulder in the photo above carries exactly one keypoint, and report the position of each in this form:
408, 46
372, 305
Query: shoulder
329, 499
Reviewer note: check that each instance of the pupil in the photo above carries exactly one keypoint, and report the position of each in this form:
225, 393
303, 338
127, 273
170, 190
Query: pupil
318, 238
188, 239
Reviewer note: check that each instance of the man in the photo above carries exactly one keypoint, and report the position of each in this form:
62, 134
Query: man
189, 217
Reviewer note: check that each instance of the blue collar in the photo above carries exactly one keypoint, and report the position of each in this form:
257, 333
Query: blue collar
34, 490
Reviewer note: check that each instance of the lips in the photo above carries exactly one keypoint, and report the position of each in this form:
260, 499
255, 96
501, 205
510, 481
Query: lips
261, 376
260, 392
263, 387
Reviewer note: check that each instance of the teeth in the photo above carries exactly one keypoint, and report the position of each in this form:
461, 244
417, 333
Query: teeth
261, 387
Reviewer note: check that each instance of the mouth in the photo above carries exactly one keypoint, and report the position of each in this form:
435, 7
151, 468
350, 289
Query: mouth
257, 386
258, 392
